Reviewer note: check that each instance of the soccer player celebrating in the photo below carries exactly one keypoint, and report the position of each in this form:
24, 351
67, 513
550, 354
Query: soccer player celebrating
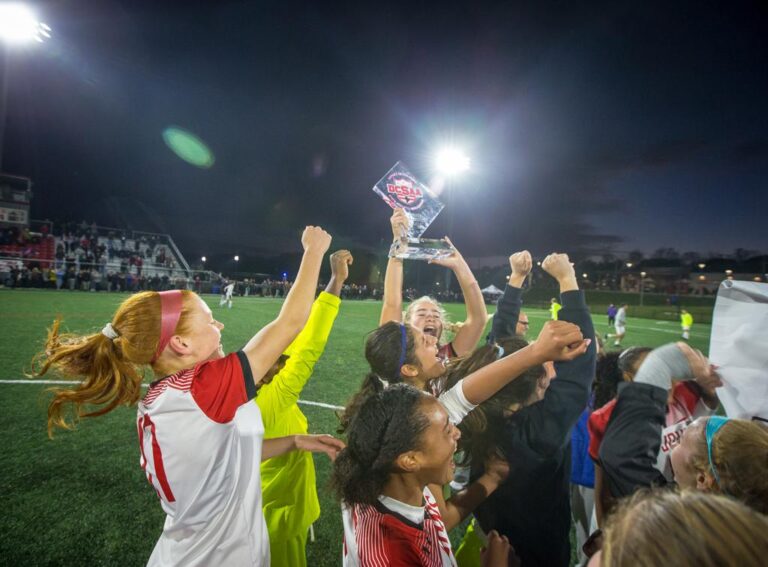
200, 436
288, 481
714, 454
530, 422
426, 314
400, 454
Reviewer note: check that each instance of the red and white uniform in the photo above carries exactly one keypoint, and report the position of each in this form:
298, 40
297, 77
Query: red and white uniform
200, 444
685, 407
394, 534
446, 352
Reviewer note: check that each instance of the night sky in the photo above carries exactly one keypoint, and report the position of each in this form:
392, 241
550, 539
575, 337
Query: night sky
613, 127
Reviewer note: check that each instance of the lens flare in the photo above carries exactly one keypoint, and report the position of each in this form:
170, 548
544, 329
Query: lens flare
188, 147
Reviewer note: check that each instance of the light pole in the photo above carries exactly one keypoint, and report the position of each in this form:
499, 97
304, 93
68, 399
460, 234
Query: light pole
642, 286
450, 162
18, 26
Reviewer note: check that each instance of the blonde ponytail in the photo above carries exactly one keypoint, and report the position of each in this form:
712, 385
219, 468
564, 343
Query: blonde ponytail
112, 368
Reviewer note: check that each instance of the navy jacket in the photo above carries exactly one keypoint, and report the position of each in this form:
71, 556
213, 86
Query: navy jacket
532, 508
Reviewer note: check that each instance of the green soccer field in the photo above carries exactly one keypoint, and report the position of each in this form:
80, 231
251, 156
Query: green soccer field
82, 498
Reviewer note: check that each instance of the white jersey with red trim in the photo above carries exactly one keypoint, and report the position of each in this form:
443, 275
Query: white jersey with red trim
395, 534
685, 406
201, 444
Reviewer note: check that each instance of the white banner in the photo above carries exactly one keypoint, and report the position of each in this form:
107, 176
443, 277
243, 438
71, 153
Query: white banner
739, 345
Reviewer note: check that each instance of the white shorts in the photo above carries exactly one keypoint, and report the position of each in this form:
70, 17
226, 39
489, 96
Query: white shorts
620, 329
686, 329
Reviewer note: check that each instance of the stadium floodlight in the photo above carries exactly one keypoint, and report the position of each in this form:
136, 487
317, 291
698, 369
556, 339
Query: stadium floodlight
629, 264
237, 258
18, 24
702, 266
203, 259
728, 272
451, 161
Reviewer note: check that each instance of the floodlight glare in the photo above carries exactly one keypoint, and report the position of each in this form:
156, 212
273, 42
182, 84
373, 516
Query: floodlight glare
18, 24
451, 161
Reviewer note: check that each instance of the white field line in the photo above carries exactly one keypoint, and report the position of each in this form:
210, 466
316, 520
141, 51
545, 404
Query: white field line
305, 402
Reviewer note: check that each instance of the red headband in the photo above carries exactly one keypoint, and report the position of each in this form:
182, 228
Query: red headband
170, 306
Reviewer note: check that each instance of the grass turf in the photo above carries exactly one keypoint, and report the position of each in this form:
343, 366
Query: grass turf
82, 498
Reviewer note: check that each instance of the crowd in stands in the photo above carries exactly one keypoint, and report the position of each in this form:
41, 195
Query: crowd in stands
524, 437
83, 256
21, 236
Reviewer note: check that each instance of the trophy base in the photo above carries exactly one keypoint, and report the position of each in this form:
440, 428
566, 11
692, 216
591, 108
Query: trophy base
420, 249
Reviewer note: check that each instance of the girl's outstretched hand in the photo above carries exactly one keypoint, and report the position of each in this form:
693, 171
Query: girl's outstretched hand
320, 444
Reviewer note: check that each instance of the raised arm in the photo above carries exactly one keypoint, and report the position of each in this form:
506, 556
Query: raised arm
392, 300
508, 306
477, 315
547, 425
271, 341
304, 352
558, 340
341, 260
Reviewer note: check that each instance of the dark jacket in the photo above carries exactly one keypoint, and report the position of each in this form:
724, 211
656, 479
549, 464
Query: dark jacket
507, 313
532, 507
633, 438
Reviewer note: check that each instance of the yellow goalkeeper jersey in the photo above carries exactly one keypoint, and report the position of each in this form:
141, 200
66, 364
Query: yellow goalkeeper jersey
288, 485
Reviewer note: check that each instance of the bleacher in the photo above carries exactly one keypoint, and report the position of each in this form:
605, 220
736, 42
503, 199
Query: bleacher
131, 255
42, 251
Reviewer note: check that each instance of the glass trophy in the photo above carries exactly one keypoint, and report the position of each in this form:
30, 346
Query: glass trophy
399, 188
420, 248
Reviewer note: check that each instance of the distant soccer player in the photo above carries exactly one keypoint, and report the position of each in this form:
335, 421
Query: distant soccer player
226, 295
554, 308
612, 310
620, 325
686, 321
